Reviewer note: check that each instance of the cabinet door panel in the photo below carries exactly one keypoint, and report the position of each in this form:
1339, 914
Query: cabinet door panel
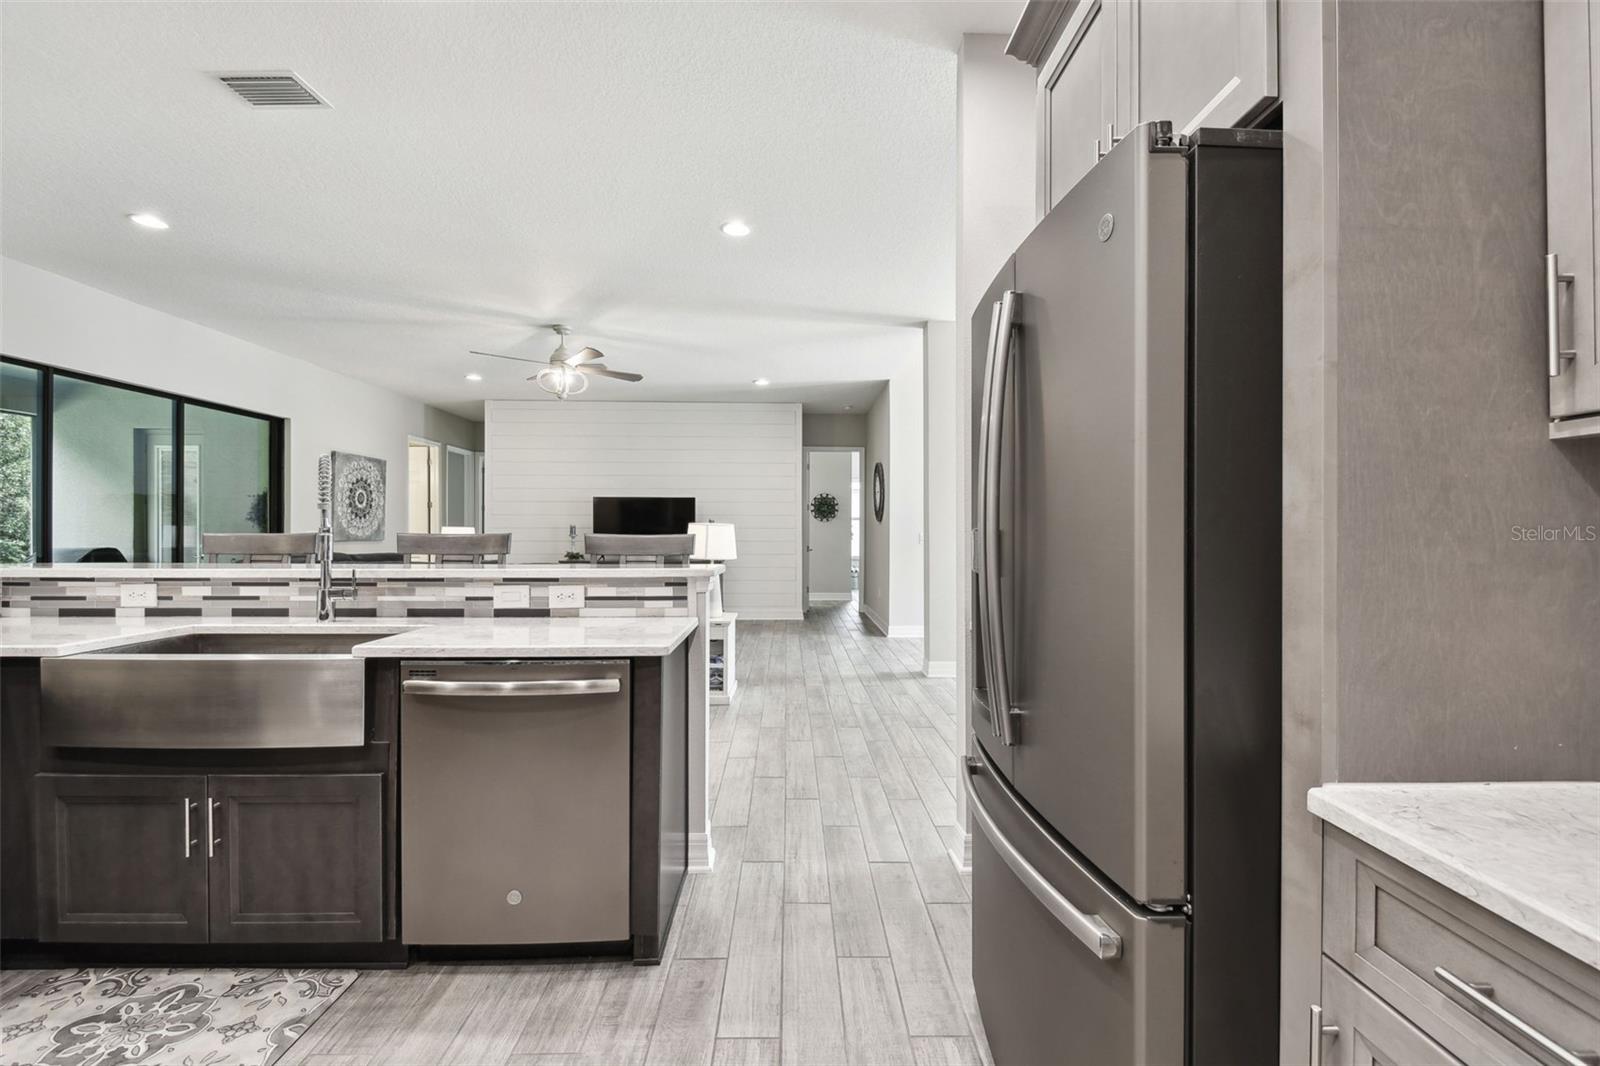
1371, 1033
112, 858
297, 858
1204, 62
1570, 162
1075, 97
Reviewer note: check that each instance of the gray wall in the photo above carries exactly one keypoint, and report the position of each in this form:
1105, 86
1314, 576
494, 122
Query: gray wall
1465, 652
1425, 637
446, 428
833, 431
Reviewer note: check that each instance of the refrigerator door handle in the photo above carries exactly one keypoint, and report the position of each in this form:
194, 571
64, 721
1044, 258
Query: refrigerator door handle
1090, 929
1004, 317
981, 534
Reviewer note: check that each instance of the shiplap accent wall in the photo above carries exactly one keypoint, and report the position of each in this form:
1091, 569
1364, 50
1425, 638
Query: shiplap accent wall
546, 461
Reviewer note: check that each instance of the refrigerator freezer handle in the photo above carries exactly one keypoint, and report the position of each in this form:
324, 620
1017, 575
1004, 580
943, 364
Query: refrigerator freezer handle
994, 614
1090, 929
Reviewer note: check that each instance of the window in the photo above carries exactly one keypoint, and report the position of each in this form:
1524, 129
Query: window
21, 451
107, 480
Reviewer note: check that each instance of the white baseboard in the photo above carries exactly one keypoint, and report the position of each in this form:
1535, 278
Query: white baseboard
702, 855
940, 669
871, 618
831, 597
963, 857
905, 632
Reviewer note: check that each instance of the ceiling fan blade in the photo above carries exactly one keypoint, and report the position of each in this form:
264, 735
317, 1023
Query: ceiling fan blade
586, 355
600, 371
513, 358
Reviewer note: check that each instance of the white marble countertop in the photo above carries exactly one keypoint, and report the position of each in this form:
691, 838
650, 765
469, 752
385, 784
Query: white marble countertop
542, 637
1527, 851
48, 636
135, 572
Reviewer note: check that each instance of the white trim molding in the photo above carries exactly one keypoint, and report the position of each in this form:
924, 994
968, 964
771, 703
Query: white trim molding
904, 632
870, 616
962, 856
940, 669
703, 855
832, 597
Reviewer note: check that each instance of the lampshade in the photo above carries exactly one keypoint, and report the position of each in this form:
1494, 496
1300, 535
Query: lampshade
714, 541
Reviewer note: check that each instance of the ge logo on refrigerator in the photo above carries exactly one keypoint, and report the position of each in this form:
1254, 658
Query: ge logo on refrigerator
1103, 230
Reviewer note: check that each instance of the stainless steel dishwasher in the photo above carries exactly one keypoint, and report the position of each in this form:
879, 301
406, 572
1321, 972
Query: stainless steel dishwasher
514, 802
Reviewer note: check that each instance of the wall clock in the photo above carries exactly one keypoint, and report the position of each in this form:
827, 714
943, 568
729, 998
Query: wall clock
878, 491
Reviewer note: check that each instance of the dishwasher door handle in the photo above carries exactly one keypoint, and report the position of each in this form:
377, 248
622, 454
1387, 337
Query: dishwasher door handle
584, 687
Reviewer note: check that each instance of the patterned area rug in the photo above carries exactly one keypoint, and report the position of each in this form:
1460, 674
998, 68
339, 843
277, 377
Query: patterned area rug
180, 1017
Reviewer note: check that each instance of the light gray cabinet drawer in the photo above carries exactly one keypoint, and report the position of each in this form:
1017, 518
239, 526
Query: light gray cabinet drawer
1366, 1031
1429, 952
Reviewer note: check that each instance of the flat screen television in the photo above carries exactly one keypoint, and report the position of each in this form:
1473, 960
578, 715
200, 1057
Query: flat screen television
644, 515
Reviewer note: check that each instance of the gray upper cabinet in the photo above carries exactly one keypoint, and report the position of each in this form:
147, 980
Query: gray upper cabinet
1572, 158
1105, 67
1076, 101
1202, 62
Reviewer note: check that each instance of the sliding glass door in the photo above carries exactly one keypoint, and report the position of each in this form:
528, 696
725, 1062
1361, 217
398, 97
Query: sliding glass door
98, 469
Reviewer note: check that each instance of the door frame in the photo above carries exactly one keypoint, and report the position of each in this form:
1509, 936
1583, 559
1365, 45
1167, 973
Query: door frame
435, 481
805, 517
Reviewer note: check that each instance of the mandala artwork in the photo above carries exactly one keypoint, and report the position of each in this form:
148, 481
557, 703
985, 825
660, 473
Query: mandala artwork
358, 497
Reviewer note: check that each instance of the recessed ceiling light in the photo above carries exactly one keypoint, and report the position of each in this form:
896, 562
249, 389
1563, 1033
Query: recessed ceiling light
735, 228
847, 407
474, 377
148, 221
761, 382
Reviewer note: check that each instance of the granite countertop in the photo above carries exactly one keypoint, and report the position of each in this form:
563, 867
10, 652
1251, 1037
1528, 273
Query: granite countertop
1526, 851
49, 636
134, 572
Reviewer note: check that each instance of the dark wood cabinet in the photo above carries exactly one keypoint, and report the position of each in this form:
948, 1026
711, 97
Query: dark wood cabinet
245, 859
297, 858
121, 858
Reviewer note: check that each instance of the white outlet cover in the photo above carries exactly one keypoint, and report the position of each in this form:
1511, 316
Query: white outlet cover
566, 595
511, 595
137, 595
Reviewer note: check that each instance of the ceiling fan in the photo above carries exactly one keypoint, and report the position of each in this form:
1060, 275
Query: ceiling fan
568, 373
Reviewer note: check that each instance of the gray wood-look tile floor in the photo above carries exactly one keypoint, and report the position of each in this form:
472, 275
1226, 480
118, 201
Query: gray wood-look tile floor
834, 929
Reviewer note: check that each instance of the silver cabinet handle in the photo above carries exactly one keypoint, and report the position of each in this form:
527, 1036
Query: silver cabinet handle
1321, 1033
585, 687
188, 841
1553, 280
1478, 997
1005, 310
1090, 929
212, 840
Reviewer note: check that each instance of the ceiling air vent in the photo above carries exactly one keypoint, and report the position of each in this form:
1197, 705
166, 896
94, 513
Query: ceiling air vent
272, 88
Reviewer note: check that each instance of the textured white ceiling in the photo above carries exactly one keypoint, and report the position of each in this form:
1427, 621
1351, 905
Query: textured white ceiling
486, 168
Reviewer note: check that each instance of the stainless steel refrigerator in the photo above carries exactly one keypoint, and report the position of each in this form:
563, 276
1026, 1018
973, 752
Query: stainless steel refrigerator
1123, 781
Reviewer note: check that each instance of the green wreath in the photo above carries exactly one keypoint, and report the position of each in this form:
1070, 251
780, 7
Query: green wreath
824, 508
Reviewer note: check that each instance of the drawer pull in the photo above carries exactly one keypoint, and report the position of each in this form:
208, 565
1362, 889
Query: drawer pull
1479, 997
1321, 1034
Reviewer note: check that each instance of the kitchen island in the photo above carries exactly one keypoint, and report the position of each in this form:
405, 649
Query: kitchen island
256, 831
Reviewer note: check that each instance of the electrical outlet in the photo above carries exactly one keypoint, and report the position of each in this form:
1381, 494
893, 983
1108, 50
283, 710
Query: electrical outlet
511, 595
566, 595
137, 595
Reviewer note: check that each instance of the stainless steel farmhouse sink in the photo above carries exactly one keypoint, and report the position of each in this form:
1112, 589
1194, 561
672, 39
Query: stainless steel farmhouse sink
209, 690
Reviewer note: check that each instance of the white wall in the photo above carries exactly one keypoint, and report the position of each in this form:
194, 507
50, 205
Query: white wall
892, 567
547, 460
828, 574
50, 319
942, 563
995, 203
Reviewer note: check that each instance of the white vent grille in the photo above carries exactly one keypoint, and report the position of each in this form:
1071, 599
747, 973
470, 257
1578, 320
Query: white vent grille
272, 88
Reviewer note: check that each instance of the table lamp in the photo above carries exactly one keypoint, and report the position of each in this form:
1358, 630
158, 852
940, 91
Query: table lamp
714, 542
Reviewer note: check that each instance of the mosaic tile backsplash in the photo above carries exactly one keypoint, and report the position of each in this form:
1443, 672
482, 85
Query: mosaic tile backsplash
376, 597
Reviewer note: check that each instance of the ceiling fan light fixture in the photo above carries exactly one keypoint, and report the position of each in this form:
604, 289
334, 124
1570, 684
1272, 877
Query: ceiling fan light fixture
735, 227
561, 381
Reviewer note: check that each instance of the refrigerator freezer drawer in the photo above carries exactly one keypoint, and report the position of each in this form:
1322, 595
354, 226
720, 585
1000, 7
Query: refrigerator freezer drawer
1053, 986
